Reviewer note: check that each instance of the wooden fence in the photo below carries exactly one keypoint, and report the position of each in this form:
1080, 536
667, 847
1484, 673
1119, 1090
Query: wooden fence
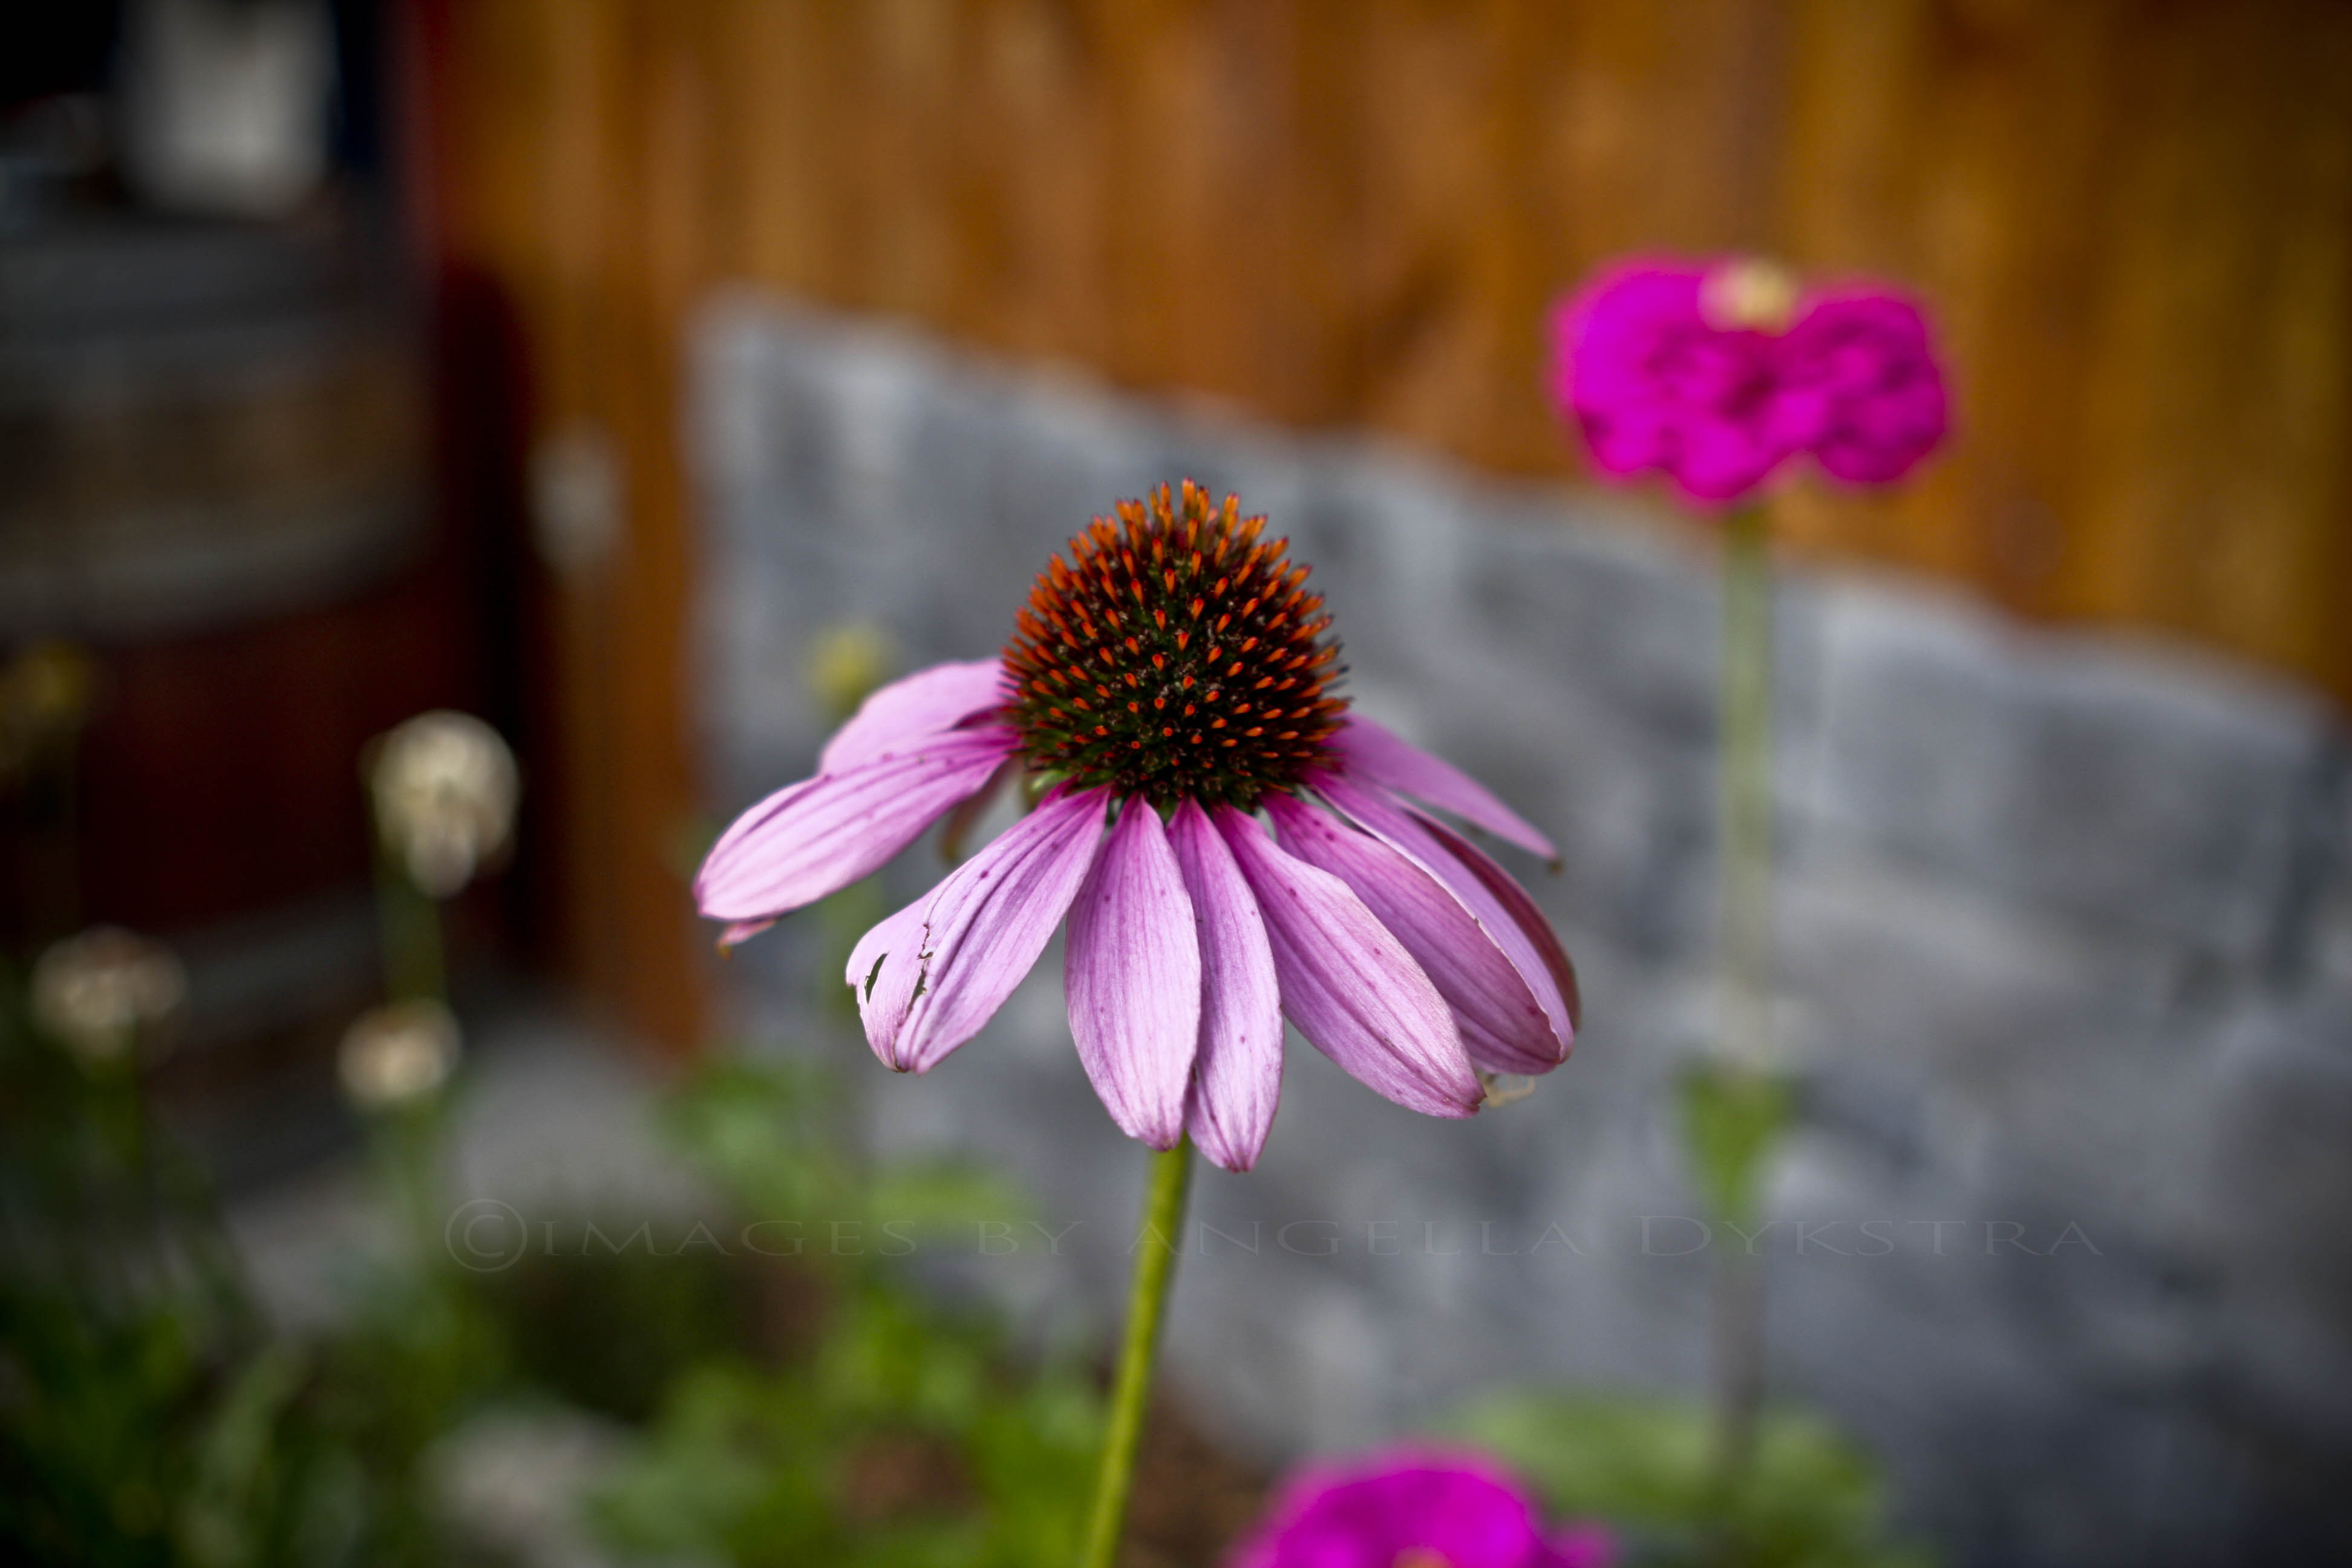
2135, 221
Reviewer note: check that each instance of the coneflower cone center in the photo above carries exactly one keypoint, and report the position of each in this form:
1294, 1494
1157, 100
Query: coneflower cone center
1176, 655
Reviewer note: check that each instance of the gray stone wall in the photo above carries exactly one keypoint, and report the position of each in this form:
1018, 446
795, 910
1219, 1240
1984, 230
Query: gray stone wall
2065, 940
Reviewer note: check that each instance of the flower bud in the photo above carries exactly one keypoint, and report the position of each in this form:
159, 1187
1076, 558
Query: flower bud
98, 991
397, 1055
444, 787
849, 661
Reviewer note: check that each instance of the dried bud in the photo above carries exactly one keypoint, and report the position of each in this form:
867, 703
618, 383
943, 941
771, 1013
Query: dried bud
1507, 1088
397, 1055
849, 661
45, 698
444, 787
98, 992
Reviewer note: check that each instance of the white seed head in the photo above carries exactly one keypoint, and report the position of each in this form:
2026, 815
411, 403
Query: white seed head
396, 1054
444, 787
100, 991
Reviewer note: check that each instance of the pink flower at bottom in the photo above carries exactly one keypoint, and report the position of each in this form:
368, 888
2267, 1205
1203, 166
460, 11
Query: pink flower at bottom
1717, 374
1168, 683
1413, 1508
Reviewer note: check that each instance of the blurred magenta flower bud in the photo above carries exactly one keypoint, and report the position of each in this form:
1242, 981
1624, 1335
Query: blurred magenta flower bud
1413, 1508
1859, 372
1715, 374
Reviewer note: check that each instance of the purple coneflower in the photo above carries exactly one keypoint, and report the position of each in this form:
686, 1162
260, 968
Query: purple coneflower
1169, 680
1411, 1509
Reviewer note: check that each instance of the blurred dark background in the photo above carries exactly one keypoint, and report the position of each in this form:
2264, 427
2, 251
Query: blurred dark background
258, 504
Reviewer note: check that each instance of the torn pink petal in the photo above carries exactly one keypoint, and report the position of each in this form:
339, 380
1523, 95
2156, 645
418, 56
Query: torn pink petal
1501, 907
1378, 755
1503, 1027
884, 989
1132, 971
929, 977
1238, 1074
1352, 988
905, 711
819, 836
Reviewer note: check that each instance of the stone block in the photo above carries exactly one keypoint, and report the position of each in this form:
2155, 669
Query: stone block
2067, 773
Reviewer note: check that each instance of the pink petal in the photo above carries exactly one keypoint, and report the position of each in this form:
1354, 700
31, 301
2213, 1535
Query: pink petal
905, 711
1133, 974
1527, 921
819, 836
1866, 359
1238, 1074
1724, 458
883, 990
929, 977
1379, 756
968, 812
1501, 906
1583, 1545
1503, 1028
1352, 988
740, 932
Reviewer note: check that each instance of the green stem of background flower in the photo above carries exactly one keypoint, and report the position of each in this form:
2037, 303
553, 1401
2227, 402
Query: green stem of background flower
409, 922
1744, 1099
1746, 787
1156, 1249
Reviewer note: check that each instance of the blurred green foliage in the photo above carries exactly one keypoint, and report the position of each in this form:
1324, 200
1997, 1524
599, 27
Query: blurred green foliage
610, 1333
768, 1134
148, 1413
1811, 1499
815, 1408
897, 1431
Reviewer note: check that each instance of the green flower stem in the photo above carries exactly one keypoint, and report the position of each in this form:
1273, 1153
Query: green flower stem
1746, 787
409, 922
415, 968
1744, 1086
1155, 1267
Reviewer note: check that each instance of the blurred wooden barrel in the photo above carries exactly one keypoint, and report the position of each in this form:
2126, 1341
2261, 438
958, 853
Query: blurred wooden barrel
216, 477
219, 479
200, 424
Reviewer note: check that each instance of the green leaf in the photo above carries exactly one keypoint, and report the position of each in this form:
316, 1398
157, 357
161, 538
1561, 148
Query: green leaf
1813, 1500
1732, 1119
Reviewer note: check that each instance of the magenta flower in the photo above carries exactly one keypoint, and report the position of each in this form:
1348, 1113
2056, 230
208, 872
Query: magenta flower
1716, 374
1171, 681
1413, 1508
